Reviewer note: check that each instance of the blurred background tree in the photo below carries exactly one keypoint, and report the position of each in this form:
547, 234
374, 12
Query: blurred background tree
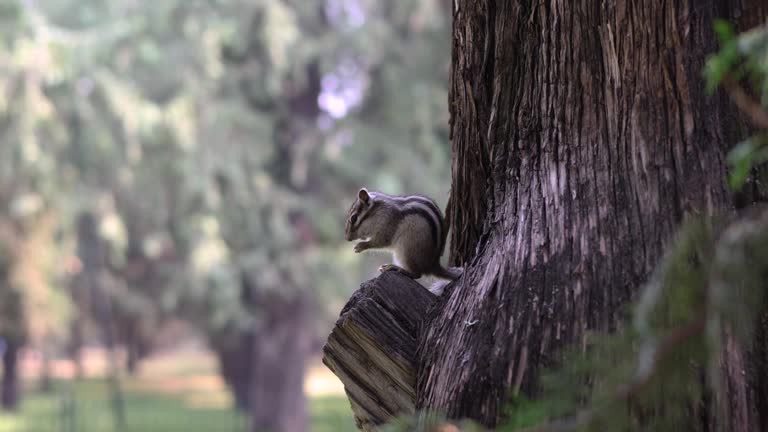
194, 160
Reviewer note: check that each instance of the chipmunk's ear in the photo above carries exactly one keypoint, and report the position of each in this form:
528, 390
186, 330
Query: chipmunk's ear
363, 196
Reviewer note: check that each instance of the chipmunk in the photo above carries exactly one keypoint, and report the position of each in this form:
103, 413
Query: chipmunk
412, 227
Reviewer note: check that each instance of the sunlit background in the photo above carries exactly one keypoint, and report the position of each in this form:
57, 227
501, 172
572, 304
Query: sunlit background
174, 178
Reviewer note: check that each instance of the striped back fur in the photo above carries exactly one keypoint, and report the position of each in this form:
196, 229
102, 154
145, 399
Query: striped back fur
384, 212
423, 206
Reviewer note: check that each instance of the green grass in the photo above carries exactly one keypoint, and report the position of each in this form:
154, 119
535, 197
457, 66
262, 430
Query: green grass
331, 414
85, 407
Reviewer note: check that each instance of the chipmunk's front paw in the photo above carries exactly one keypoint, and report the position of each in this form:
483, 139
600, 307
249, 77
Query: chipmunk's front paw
359, 247
389, 267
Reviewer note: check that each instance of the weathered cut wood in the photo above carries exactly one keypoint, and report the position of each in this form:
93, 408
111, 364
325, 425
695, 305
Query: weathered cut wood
372, 347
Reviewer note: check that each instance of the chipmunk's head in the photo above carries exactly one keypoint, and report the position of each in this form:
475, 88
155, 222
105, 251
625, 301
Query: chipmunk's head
360, 210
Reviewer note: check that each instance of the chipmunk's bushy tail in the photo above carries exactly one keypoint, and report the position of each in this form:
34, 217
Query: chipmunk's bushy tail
449, 275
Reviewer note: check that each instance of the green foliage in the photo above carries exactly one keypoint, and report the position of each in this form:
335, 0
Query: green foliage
743, 59
718, 66
218, 144
746, 155
708, 290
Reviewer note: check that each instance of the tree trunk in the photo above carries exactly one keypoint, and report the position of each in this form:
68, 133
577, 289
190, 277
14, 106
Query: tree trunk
235, 366
137, 342
134, 356
581, 137
77, 326
281, 346
92, 253
10, 389
45, 384
758, 373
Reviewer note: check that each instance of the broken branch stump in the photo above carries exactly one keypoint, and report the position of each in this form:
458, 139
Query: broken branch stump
373, 345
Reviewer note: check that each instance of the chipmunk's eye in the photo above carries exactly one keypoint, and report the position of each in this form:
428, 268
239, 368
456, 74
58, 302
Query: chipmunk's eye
353, 218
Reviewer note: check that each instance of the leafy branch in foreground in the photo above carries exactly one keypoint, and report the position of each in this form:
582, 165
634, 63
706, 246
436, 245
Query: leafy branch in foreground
741, 68
656, 373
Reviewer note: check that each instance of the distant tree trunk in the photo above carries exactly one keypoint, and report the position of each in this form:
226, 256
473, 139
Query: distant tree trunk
10, 391
132, 362
265, 368
75, 345
45, 384
581, 138
282, 344
235, 366
136, 342
92, 253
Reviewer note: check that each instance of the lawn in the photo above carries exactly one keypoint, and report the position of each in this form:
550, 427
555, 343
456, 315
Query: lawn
179, 392
85, 407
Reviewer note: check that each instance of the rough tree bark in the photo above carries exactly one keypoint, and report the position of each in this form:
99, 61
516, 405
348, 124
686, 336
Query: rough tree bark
588, 128
581, 138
